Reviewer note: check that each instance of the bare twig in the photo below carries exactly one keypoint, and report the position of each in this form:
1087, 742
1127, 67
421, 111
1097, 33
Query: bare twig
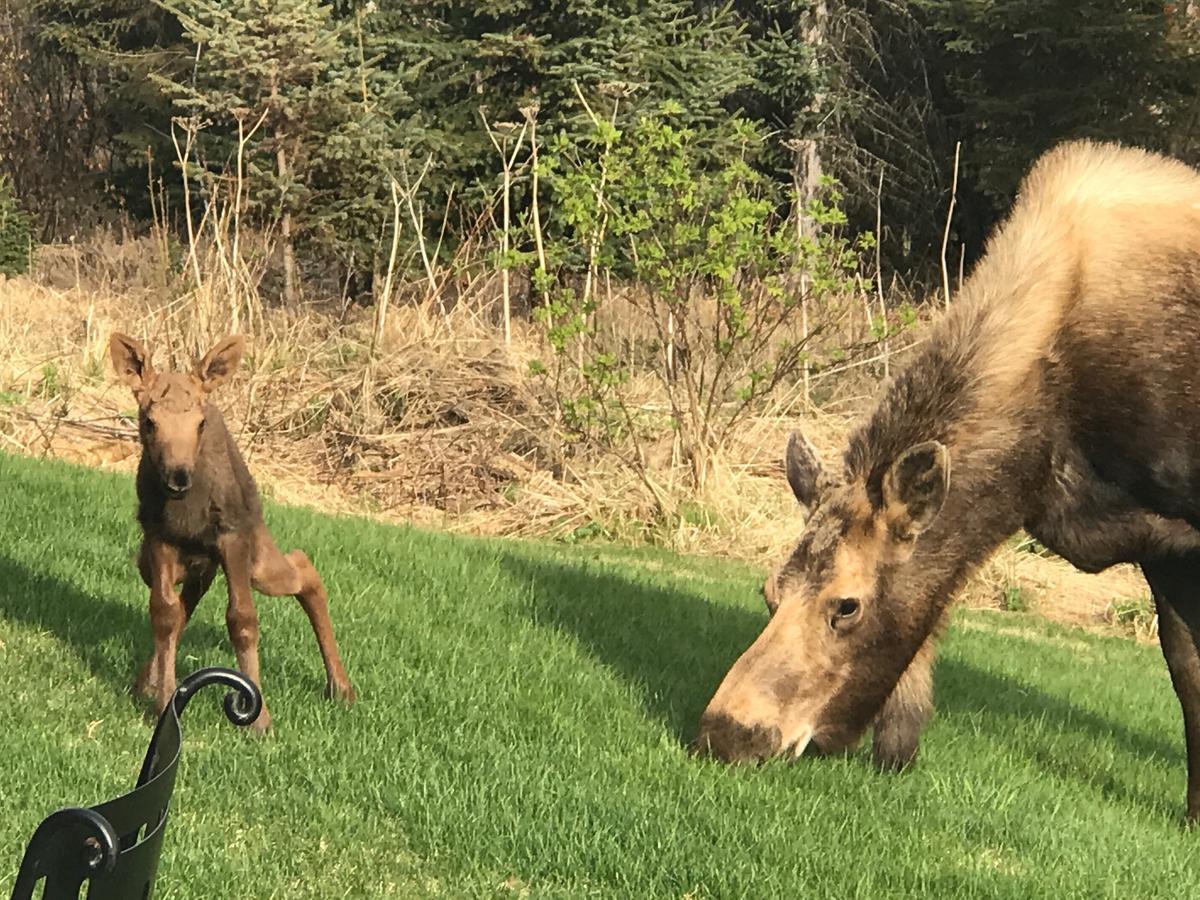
949, 219
381, 305
508, 161
531, 114
879, 271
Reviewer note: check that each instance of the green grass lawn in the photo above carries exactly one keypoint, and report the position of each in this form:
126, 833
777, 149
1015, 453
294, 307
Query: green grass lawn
520, 727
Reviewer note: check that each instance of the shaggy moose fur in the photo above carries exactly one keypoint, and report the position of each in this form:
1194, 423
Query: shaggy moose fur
1060, 394
199, 508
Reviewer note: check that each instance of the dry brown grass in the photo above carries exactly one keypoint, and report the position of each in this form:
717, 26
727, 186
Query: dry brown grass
446, 429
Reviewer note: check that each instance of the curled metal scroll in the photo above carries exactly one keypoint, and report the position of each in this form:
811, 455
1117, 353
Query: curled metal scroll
102, 842
242, 704
99, 849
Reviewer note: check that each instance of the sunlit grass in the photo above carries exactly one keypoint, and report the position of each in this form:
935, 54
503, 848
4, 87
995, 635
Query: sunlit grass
521, 727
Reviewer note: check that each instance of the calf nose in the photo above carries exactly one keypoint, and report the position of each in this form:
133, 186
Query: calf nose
723, 737
179, 480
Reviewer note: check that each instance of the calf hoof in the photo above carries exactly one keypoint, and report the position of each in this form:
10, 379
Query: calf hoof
261, 725
340, 691
143, 686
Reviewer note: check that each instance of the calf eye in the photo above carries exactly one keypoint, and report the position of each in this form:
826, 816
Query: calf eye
847, 608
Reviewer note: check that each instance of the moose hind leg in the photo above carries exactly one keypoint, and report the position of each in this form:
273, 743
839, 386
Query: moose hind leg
195, 585
1177, 601
899, 724
277, 574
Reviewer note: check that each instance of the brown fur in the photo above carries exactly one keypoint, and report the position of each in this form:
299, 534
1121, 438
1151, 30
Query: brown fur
1059, 394
199, 508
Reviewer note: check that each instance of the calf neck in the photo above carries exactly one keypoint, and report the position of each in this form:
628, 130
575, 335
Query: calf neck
1059, 394
199, 508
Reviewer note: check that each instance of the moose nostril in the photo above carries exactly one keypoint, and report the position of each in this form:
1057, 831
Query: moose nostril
765, 741
724, 738
180, 479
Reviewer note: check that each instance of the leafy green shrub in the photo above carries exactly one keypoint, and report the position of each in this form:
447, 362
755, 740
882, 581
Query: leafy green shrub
1134, 615
16, 233
725, 289
1014, 599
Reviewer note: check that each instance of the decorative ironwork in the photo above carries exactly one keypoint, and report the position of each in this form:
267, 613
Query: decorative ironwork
115, 846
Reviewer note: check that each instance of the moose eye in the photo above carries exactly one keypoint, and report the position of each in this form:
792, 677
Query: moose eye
844, 614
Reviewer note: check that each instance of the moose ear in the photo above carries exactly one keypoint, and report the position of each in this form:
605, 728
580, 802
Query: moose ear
131, 361
219, 363
804, 472
915, 487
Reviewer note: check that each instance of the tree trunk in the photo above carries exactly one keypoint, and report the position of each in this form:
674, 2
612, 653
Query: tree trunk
1181, 142
807, 170
291, 297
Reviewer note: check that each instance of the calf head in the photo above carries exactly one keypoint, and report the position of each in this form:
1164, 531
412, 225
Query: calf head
844, 622
171, 404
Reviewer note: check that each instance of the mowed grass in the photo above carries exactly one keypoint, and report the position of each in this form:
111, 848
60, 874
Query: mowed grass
520, 731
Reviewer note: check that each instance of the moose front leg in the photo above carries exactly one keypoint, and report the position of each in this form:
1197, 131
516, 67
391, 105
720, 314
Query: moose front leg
159, 564
899, 724
240, 616
196, 580
1177, 601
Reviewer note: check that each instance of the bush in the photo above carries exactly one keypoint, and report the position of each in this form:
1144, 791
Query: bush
16, 234
727, 292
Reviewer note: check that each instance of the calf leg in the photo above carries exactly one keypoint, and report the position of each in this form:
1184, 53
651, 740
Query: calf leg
240, 615
196, 583
277, 575
1177, 600
899, 724
160, 568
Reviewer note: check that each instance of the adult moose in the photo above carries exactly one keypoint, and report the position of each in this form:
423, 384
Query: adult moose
1061, 394
199, 508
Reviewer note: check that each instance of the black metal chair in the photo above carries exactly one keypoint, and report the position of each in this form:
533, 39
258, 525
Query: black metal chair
115, 846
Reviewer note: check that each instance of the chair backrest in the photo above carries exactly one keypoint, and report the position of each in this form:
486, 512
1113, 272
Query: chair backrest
115, 846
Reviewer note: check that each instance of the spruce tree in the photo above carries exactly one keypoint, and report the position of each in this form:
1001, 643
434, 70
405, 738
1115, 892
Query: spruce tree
1022, 75
318, 119
499, 57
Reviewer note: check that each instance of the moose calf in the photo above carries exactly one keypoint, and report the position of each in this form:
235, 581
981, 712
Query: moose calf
199, 508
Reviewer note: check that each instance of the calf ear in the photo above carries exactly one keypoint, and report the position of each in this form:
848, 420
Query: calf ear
914, 489
131, 361
219, 363
804, 472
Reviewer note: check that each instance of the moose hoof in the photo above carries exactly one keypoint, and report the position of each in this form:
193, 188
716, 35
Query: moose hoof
894, 756
144, 687
342, 691
261, 725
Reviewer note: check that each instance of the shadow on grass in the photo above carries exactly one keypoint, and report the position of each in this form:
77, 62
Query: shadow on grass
1006, 705
90, 624
671, 643
675, 646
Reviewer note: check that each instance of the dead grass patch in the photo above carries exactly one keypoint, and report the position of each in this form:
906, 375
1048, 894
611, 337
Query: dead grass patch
444, 427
